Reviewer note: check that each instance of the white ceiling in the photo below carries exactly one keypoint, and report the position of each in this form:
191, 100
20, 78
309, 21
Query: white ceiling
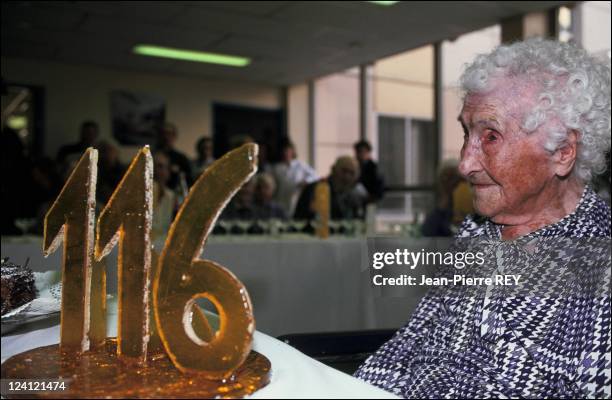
288, 41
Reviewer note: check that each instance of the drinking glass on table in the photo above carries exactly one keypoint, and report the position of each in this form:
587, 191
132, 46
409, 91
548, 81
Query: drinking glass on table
225, 226
275, 226
243, 225
347, 227
298, 225
334, 227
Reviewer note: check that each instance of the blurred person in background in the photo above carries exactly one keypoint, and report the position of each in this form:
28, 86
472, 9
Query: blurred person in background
241, 206
602, 183
264, 206
347, 195
239, 140
444, 219
165, 202
205, 157
14, 180
462, 203
29, 185
369, 176
291, 176
110, 171
69, 154
45, 186
180, 166
263, 159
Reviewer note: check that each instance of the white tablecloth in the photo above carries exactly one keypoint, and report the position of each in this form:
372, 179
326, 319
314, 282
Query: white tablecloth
294, 375
297, 285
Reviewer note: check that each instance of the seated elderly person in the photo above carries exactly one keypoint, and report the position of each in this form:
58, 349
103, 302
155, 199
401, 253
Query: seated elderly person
536, 121
347, 195
241, 207
264, 206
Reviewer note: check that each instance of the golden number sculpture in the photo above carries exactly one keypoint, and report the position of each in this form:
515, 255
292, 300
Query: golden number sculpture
182, 277
322, 198
219, 363
71, 220
97, 309
126, 219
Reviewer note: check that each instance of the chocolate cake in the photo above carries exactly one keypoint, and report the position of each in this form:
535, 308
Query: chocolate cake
17, 285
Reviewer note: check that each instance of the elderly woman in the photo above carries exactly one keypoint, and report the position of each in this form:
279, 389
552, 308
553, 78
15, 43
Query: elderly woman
536, 122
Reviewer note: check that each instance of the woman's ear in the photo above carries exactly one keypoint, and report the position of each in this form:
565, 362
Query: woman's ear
564, 157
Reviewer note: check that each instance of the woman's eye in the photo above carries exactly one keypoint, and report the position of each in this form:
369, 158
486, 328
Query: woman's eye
491, 136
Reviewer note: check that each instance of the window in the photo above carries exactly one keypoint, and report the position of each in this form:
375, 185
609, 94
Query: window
408, 146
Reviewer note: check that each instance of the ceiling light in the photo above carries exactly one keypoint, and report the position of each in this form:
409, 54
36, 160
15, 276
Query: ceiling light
17, 122
565, 17
384, 3
190, 55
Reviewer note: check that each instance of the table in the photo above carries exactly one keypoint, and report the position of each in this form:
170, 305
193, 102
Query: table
294, 375
297, 284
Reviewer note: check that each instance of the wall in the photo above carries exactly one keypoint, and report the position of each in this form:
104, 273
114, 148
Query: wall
336, 118
78, 92
398, 85
403, 84
594, 26
455, 55
297, 120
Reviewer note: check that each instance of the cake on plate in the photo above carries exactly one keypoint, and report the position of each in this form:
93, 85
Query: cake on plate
17, 285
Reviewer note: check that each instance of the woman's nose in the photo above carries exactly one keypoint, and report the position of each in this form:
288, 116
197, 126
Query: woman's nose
470, 158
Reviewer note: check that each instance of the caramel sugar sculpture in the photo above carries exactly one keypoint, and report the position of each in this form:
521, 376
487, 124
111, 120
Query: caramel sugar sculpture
178, 356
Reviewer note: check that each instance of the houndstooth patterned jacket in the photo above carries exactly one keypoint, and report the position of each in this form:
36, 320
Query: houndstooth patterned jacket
550, 342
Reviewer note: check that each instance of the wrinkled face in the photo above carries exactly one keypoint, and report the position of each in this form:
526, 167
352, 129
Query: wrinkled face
507, 168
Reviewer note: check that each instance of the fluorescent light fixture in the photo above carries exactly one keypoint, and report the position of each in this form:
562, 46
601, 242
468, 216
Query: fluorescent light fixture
17, 122
190, 55
564, 17
384, 3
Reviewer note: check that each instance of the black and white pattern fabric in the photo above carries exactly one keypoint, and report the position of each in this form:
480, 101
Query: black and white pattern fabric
550, 338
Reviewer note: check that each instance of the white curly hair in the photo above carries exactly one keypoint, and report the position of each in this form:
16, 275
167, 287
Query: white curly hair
574, 88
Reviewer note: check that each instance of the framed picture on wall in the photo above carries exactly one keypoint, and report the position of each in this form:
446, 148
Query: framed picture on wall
263, 125
136, 117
